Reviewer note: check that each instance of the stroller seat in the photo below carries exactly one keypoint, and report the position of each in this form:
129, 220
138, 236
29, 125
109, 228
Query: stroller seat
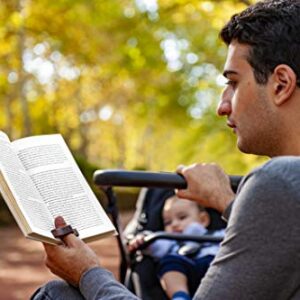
138, 272
141, 277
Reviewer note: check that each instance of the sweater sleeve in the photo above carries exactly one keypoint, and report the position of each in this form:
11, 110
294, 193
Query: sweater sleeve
98, 283
259, 257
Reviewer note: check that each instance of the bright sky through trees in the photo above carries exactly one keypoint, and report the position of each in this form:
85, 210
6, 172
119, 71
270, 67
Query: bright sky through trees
130, 84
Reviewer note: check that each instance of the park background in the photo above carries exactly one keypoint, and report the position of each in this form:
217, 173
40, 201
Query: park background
130, 84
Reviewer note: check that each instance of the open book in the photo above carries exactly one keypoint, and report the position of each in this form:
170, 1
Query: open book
40, 180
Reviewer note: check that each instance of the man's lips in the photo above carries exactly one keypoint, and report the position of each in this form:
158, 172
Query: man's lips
231, 125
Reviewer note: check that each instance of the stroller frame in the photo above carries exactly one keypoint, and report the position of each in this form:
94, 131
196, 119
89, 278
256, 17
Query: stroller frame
106, 179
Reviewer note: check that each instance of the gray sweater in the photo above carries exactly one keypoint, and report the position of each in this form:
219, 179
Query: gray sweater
259, 258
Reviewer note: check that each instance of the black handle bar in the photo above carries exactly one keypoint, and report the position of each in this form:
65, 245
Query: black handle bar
148, 239
148, 179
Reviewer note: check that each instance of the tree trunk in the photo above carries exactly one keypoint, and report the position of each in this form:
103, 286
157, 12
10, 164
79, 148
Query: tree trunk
26, 130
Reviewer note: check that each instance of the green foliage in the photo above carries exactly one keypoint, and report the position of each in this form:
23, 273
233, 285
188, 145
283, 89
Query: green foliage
129, 84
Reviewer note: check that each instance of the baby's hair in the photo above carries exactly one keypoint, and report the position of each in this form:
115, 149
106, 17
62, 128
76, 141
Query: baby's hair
175, 198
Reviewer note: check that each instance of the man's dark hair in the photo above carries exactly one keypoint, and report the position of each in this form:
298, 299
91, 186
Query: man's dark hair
272, 30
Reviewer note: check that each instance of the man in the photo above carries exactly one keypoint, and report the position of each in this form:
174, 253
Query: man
260, 255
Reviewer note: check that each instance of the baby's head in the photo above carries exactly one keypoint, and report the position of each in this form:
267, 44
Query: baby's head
178, 214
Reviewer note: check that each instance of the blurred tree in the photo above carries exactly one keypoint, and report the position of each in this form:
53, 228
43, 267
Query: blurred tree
130, 84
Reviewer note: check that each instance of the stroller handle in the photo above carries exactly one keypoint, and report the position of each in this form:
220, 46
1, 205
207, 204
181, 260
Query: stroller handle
147, 179
148, 239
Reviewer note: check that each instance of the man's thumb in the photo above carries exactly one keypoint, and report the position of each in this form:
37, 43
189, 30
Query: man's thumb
59, 222
65, 232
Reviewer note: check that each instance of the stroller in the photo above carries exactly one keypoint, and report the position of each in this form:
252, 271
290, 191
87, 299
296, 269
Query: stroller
138, 271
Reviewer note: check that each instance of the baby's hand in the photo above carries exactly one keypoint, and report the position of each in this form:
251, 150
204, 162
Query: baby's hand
135, 243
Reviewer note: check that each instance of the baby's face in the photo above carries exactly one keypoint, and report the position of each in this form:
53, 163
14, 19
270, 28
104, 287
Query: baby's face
179, 214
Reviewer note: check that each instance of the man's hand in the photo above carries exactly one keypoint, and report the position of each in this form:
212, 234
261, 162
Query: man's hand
207, 184
70, 260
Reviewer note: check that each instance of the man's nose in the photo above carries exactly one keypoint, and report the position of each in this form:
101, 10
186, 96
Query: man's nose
224, 106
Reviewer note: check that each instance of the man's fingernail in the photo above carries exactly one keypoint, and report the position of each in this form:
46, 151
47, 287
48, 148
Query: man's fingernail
59, 221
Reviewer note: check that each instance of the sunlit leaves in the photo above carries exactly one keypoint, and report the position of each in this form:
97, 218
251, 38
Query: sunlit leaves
131, 83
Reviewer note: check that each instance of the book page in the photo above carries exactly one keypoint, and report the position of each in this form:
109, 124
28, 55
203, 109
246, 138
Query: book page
51, 166
20, 184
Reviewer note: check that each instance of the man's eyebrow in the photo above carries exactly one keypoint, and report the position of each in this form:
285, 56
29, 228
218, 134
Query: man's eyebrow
229, 72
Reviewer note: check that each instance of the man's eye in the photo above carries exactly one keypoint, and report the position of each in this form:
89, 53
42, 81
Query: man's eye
231, 83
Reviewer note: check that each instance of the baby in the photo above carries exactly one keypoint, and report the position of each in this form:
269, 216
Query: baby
179, 274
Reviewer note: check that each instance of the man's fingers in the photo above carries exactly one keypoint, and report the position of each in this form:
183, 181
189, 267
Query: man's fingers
59, 222
52, 252
48, 247
179, 169
69, 239
183, 194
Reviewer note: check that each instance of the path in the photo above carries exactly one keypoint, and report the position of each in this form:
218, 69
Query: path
22, 267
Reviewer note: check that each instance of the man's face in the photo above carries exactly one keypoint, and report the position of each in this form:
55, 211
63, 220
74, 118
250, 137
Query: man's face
247, 105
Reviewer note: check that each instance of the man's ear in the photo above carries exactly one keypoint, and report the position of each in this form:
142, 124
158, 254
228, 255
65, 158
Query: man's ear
285, 82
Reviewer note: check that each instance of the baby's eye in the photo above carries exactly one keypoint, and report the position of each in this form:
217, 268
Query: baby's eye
167, 223
182, 217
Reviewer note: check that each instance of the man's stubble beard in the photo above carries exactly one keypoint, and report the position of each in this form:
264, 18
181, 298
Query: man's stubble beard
261, 136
